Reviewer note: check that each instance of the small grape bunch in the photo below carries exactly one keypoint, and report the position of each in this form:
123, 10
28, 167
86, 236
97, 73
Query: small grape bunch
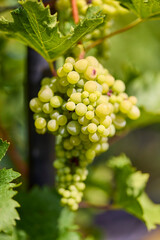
82, 106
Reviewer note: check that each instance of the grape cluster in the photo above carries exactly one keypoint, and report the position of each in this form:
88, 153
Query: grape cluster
83, 106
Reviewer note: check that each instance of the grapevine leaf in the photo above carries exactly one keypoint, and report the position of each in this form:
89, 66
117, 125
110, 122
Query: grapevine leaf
129, 191
149, 213
143, 8
16, 235
147, 93
3, 148
44, 207
8, 213
35, 27
66, 226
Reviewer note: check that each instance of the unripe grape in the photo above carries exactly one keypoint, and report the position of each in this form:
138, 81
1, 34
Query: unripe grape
133, 100
81, 65
89, 115
54, 114
76, 98
94, 137
92, 128
83, 120
61, 73
52, 125
106, 122
67, 67
90, 86
81, 109
73, 128
118, 86
134, 113
80, 83
70, 106
103, 110
92, 97
73, 77
125, 106
70, 60
101, 129
75, 140
85, 94
70, 91
62, 120
40, 123
90, 73
92, 61
56, 101
45, 94
35, 105
86, 101
47, 108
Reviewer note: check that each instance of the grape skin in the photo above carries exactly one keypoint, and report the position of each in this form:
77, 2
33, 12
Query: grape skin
83, 106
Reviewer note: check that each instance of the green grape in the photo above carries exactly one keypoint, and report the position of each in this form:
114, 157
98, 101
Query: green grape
134, 113
56, 101
40, 123
81, 109
70, 106
47, 108
89, 115
52, 125
45, 94
35, 105
92, 128
118, 86
61, 120
67, 67
73, 128
81, 65
73, 77
76, 98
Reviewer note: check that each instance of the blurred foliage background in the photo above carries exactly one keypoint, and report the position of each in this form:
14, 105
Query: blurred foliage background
134, 58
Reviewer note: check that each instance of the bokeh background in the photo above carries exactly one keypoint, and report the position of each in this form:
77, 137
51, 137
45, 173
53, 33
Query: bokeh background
135, 58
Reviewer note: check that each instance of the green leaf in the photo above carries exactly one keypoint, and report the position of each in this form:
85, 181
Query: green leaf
16, 235
3, 148
42, 216
143, 8
39, 213
128, 191
66, 226
130, 183
146, 89
34, 26
149, 213
8, 212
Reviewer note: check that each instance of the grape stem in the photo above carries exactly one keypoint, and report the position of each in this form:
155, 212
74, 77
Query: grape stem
53, 71
75, 11
15, 157
126, 28
100, 207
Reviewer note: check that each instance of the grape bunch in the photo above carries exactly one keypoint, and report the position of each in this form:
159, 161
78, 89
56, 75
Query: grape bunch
82, 106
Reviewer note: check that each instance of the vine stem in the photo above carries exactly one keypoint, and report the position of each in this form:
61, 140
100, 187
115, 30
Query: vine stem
99, 207
53, 71
126, 28
75, 11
